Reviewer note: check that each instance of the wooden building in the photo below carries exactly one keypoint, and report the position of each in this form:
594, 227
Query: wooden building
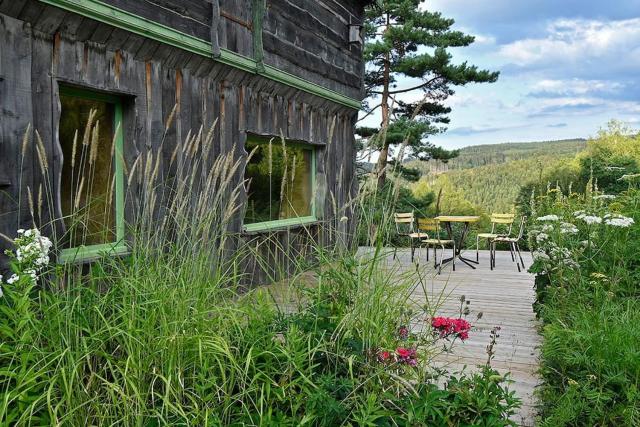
257, 68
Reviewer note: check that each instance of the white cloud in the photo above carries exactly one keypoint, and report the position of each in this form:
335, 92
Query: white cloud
578, 41
574, 86
580, 106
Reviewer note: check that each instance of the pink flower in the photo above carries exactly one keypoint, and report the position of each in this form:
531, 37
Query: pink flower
448, 326
408, 356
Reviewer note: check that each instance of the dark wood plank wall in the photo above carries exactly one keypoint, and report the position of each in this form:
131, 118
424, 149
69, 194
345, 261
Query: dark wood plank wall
307, 38
42, 46
310, 39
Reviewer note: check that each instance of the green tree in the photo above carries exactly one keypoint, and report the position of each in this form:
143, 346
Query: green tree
404, 41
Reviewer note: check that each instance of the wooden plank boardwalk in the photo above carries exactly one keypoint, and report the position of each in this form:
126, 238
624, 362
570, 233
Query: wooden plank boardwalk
505, 297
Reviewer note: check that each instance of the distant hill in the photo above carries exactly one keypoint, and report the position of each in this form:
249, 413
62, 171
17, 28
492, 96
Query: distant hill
482, 155
490, 176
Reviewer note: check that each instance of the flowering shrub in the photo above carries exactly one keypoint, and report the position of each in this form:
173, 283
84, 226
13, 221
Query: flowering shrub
587, 274
30, 256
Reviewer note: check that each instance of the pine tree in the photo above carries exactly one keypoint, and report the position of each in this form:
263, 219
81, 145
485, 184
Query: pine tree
405, 41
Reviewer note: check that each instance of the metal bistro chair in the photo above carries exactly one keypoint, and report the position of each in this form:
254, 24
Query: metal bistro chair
432, 224
497, 220
406, 227
514, 246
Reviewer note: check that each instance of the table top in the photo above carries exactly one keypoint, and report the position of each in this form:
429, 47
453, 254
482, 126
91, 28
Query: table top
458, 218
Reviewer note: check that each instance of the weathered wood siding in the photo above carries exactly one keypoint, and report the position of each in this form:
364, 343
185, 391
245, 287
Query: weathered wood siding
42, 46
310, 39
306, 38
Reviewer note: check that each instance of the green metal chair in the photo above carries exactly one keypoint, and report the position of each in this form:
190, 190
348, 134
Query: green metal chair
497, 220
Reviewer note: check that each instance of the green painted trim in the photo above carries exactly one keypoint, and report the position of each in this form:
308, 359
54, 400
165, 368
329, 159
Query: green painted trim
84, 253
258, 48
119, 18
280, 223
290, 80
91, 253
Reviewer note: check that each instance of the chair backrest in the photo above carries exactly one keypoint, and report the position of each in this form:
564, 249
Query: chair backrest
506, 220
523, 221
405, 222
427, 224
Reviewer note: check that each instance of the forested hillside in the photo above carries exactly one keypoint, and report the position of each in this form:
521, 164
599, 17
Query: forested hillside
488, 178
495, 187
481, 155
489, 154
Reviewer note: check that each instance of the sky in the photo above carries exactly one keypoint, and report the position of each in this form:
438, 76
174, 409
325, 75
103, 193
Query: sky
567, 67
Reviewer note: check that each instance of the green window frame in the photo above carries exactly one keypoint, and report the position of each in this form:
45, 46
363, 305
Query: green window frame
295, 221
85, 253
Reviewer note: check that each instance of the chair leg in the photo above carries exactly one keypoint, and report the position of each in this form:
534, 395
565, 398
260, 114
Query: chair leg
492, 250
513, 249
477, 249
513, 259
492, 255
441, 259
413, 249
427, 252
519, 255
435, 256
453, 260
395, 252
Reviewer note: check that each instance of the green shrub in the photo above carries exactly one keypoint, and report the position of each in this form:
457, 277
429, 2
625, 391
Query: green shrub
587, 290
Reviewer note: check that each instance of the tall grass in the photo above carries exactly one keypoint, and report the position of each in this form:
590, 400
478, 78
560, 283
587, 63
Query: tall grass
165, 336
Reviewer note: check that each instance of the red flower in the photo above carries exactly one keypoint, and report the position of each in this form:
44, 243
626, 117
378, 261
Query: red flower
403, 352
447, 326
383, 356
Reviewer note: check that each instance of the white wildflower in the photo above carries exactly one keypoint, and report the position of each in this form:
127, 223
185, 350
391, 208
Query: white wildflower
548, 218
32, 251
589, 219
540, 255
21, 231
541, 237
619, 221
13, 279
604, 197
568, 228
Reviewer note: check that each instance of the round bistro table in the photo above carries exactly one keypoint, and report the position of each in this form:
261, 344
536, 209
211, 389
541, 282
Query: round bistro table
448, 220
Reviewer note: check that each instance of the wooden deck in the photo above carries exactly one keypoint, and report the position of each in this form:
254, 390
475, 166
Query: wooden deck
505, 297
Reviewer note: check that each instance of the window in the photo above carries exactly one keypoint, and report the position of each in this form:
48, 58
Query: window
281, 180
92, 181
